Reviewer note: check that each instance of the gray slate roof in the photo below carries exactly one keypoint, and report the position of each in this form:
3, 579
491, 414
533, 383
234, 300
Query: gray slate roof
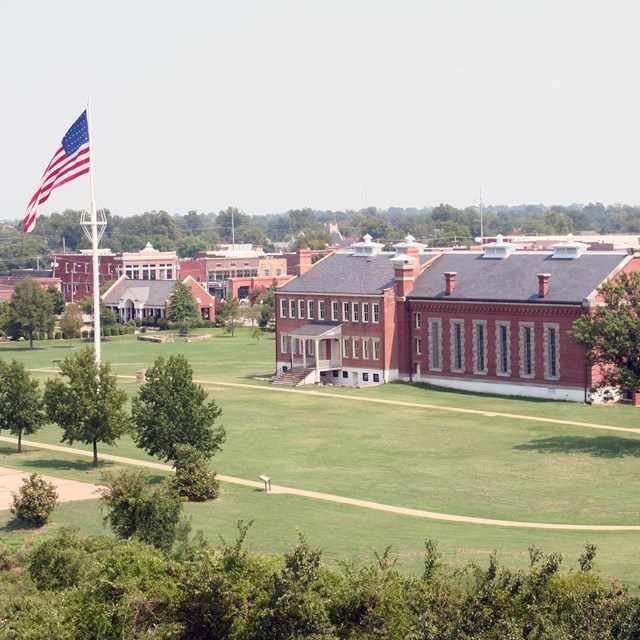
343, 273
515, 278
154, 293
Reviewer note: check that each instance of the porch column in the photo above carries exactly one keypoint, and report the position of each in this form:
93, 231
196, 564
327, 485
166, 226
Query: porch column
304, 352
316, 343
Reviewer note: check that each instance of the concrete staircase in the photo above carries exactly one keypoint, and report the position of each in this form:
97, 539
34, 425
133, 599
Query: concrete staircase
293, 378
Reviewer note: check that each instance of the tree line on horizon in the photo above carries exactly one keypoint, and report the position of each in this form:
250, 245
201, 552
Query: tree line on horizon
192, 232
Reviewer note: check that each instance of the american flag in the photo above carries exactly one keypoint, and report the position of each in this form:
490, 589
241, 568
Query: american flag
69, 161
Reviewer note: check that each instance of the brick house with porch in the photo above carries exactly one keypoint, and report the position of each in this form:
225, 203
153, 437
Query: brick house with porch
492, 321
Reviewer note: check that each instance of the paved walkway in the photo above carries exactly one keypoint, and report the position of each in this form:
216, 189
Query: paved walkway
275, 489
68, 490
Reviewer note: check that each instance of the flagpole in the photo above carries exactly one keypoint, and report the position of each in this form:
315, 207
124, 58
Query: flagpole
94, 246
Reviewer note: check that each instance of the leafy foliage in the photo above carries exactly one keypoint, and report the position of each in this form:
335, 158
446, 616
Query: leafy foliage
35, 500
611, 334
136, 509
21, 409
193, 480
170, 409
86, 402
71, 322
32, 308
183, 309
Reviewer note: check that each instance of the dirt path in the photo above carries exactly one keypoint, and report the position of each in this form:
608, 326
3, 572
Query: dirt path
279, 490
68, 490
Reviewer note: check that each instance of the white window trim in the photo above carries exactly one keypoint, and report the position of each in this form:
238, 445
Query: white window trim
435, 349
345, 312
523, 372
500, 353
455, 348
548, 375
479, 356
375, 316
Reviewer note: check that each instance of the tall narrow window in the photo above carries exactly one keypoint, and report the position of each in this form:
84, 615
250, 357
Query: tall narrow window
479, 346
355, 312
356, 348
310, 309
527, 353
292, 308
345, 347
551, 351
365, 312
283, 343
418, 346
435, 344
457, 346
503, 349
334, 310
321, 310
283, 308
345, 312
301, 309
365, 348
376, 349
376, 312
417, 320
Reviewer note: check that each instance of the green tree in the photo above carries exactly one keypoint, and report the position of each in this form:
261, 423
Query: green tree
35, 500
137, 509
183, 308
21, 410
193, 479
188, 246
71, 322
58, 299
86, 402
170, 409
611, 334
230, 314
32, 308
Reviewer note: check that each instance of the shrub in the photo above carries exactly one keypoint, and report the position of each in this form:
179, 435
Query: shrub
136, 509
193, 480
35, 501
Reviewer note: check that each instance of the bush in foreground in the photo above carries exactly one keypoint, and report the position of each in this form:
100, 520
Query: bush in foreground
35, 500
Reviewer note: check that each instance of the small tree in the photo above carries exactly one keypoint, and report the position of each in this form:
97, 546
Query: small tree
21, 409
136, 509
86, 402
170, 409
35, 500
71, 322
256, 334
183, 309
611, 335
32, 308
231, 315
193, 480
250, 312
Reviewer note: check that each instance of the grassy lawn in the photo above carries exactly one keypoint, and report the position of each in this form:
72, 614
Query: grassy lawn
324, 439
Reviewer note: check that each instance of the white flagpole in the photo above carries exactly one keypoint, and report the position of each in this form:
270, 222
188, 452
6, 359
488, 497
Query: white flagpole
94, 246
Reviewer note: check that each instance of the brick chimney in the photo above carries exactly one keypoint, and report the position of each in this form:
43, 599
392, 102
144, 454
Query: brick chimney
449, 282
543, 284
304, 261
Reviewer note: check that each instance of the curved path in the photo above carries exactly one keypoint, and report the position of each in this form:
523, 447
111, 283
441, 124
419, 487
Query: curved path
275, 489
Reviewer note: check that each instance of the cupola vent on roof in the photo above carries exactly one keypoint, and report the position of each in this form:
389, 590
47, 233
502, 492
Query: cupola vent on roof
498, 249
367, 247
569, 249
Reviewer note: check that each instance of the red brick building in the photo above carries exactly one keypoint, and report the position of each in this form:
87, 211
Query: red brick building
493, 320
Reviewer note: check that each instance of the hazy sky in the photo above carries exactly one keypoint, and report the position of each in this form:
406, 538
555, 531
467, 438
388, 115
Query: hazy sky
270, 105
